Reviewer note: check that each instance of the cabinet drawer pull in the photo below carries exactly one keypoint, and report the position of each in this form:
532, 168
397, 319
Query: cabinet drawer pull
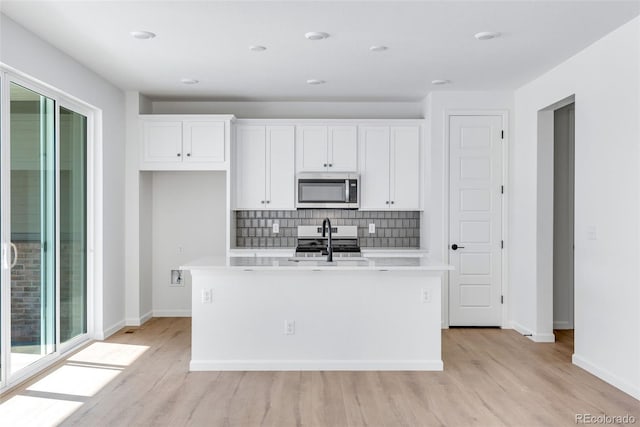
325, 165
392, 202
330, 165
188, 154
387, 202
262, 201
178, 154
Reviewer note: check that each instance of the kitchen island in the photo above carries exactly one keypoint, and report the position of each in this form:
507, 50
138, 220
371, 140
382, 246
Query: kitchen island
264, 313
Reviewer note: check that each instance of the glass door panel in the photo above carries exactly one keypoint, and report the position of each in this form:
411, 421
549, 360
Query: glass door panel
73, 224
32, 225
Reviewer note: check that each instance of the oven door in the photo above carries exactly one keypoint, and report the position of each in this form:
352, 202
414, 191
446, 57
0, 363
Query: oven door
326, 192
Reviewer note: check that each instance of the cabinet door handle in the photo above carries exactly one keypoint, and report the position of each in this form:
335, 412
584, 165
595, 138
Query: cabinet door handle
262, 201
387, 202
268, 201
330, 165
188, 154
392, 202
178, 154
325, 165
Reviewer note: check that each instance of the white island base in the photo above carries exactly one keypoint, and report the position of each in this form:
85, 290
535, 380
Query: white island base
274, 317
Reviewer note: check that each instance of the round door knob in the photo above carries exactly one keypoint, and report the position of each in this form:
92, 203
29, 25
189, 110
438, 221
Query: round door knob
456, 247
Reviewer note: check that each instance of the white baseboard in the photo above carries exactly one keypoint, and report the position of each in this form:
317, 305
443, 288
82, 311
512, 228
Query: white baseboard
172, 313
605, 375
316, 365
530, 334
138, 321
112, 330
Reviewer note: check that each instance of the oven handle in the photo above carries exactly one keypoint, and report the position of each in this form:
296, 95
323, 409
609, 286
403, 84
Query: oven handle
346, 191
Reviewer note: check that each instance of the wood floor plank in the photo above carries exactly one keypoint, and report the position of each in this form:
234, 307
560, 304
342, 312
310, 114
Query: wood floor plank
492, 377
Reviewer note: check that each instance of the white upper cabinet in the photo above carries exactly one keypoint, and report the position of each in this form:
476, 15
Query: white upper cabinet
327, 149
203, 141
390, 167
172, 142
161, 141
264, 167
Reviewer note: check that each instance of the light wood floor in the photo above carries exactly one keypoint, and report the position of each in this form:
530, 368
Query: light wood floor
492, 377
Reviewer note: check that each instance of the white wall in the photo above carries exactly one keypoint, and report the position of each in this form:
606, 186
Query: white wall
605, 80
188, 222
295, 110
25, 52
436, 107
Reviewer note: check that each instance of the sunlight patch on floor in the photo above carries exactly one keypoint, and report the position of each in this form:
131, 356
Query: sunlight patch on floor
109, 354
76, 380
53, 398
27, 411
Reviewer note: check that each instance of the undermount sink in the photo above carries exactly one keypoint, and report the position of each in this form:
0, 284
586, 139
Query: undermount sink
322, 262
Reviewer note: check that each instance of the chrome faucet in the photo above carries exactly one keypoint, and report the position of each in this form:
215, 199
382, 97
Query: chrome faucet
326, 222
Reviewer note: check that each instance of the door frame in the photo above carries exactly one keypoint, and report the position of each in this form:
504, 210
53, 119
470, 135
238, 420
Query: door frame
504, 114
94, 223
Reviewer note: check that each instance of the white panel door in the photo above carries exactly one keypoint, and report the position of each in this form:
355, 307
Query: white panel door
343, 148
162, 141
475, 223
203, 141
280, 170
405, 168
374, 167
311, 149
250, 167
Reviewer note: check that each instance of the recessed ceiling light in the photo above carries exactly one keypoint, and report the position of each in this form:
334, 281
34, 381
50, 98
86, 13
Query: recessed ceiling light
315, 82
486, 35
189, 81
142, 35
440, 82
257, 48
378, 48
315, 35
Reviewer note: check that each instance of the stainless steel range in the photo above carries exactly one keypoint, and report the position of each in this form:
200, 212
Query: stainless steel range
312, 244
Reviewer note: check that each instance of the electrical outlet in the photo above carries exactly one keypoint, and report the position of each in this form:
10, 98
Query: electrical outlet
276, 228
180, 249
372, 228
207, 296
426, 296
289, 327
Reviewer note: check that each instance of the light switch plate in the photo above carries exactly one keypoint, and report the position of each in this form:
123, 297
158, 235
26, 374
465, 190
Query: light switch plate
372, 228
276, 228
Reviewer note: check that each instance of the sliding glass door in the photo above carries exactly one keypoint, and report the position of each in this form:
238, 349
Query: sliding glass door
73, 224
33, 234
43, 224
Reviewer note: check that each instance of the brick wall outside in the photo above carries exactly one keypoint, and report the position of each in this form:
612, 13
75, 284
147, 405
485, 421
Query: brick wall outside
25, 294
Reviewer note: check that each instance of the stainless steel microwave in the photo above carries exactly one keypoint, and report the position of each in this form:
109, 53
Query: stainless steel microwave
327, 190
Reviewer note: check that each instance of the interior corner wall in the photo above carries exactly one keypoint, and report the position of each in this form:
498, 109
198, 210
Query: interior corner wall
188, 222
605, 81
29, 54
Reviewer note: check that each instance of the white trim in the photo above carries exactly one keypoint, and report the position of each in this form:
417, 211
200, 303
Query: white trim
316, 365
139, 321
172, 313
523, 330
446, 204
543, 338
111, 330
620, 383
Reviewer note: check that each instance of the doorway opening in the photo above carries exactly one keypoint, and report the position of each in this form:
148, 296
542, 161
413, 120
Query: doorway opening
563, 222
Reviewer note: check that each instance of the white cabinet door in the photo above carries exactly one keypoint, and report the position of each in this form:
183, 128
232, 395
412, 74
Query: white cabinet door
343, 148
203, 141
280, 171
250, 167
405, 168
374, 167
162, 141
311, 149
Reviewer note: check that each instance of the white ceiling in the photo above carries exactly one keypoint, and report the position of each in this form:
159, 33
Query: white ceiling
427, 40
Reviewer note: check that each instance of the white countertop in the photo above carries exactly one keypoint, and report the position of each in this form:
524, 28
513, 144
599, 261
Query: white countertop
395, 263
